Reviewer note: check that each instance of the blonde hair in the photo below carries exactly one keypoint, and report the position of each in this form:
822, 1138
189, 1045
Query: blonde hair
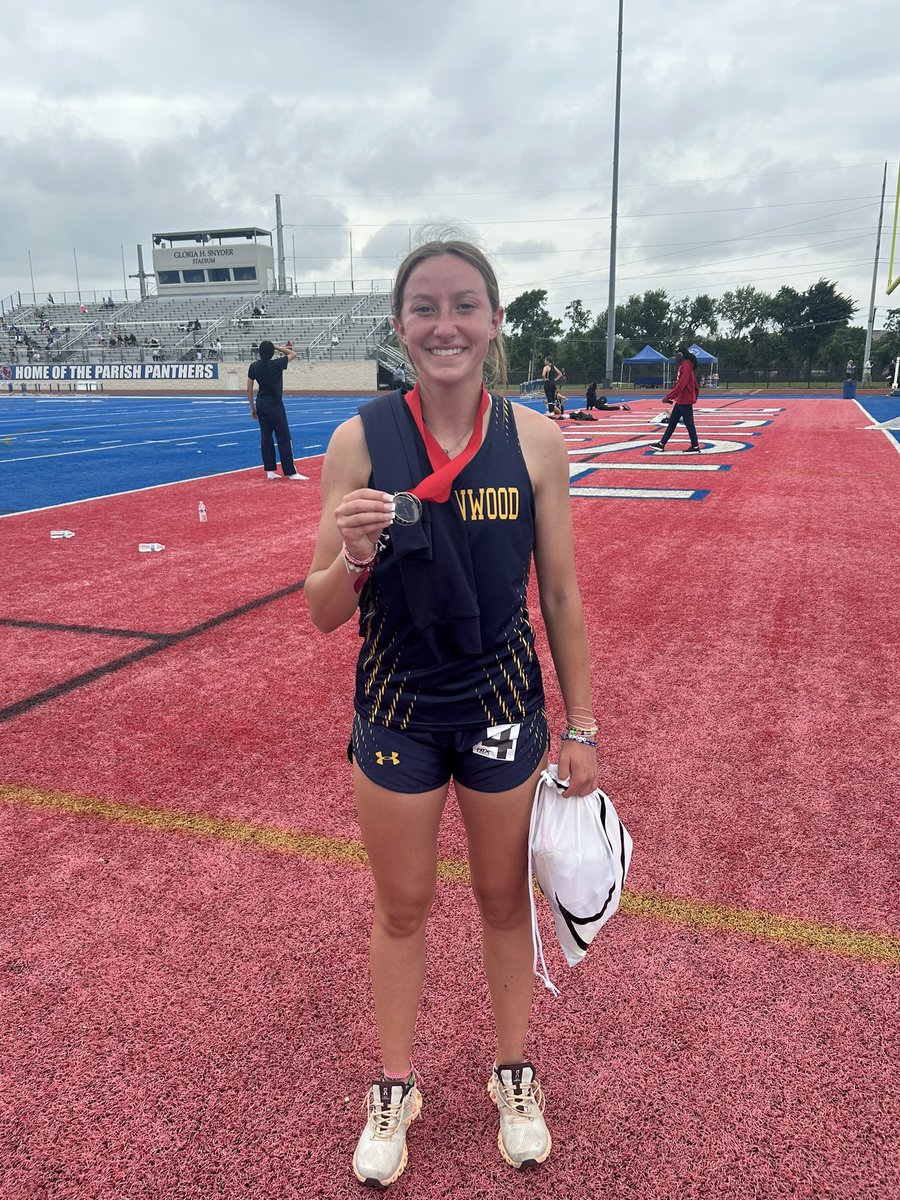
496, 361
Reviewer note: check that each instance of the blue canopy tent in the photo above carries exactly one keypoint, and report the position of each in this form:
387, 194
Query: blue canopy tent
706, 362
655, 368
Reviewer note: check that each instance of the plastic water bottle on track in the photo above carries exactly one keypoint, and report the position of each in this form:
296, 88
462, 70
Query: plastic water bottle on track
149, 547
62, 533
201, 511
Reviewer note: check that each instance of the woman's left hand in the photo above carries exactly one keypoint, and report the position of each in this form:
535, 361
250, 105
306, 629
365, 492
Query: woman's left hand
578, 764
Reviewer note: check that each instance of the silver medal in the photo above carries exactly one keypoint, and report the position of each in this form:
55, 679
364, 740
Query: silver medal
407, 508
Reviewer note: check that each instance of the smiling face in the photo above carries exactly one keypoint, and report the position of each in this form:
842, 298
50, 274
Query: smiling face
446, 321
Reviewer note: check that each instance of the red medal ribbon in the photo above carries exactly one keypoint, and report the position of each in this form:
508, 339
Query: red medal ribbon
445, 469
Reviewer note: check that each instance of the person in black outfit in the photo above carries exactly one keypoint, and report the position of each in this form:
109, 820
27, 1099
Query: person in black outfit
551, 376
595, 401
267, 373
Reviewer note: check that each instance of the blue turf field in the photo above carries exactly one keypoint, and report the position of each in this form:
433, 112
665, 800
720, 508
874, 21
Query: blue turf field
56, 450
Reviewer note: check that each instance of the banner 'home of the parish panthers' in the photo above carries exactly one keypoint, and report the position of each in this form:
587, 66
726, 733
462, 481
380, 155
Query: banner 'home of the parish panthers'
70, 373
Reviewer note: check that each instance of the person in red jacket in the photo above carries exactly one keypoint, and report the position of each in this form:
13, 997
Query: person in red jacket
682, 397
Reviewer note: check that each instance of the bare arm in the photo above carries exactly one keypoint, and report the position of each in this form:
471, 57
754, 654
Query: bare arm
560, 599
353, 515
289, 354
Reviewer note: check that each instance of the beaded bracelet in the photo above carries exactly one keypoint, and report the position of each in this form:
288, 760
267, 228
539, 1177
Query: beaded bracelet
588, 731
355, 565
569, 736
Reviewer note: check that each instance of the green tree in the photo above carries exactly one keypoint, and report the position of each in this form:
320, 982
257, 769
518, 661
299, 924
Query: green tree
578, 316
645, 318
528, 315
842, 345
807, 320
704, 319
534, 332
680, 328
743, 308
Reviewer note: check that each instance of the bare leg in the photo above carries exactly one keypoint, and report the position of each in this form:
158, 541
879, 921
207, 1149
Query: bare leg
400, 836
497, 828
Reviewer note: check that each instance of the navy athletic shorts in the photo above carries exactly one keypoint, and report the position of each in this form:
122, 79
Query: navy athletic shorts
495, 759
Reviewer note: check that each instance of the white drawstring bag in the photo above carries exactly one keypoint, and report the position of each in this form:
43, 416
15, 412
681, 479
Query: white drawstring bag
579, 852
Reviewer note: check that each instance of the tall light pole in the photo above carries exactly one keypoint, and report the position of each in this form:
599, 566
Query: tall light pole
611, 308
350, 232
31, 272
867, 353
279, 243
77, 280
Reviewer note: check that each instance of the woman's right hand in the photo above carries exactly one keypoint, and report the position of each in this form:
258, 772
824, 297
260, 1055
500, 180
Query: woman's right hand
361, 518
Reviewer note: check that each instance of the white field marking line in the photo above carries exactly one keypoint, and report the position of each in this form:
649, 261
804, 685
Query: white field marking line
153, 487
221, 444
634, 493
743, 428
111, 425
658, 466
122, 446
887, 433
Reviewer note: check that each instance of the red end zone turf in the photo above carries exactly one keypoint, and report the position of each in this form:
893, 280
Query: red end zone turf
193, 1010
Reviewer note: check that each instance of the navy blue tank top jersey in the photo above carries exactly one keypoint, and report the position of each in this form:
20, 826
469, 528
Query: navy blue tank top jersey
447, 642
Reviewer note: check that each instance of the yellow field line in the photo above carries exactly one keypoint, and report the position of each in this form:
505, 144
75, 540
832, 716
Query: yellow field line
723, 918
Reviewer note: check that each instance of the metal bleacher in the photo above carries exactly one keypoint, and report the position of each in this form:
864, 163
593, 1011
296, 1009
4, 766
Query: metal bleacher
163, 328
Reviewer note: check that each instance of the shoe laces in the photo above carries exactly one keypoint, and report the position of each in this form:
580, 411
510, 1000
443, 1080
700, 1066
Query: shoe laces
520, 1099
385, 1118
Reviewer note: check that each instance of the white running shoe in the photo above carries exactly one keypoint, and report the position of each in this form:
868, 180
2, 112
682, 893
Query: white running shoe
297, 475
271, 474
381, 1154
524, 1138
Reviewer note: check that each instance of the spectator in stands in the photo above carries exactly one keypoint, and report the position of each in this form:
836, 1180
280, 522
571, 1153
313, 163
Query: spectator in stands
398, 378
50, 298
257, 311
266, 375
289, 345
254, 350
219, 348
82, 310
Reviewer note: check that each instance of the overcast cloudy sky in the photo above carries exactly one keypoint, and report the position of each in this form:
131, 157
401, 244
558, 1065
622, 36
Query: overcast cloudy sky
752, 146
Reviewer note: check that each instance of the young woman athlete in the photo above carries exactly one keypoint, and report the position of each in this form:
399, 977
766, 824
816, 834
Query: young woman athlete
433, 506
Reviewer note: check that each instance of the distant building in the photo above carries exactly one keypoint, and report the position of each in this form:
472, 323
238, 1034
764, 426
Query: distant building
203, 262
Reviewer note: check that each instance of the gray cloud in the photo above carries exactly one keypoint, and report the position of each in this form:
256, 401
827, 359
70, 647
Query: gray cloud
752, 137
